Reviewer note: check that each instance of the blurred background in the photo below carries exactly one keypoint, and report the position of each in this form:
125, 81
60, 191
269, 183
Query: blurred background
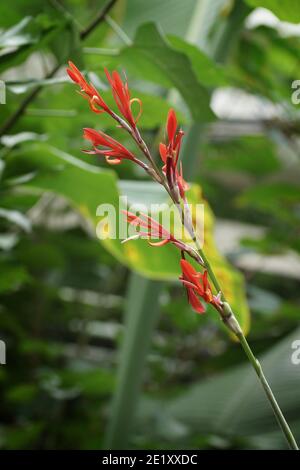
102, 348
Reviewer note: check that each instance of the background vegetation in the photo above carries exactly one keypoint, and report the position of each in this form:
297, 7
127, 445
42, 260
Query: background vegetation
98, 355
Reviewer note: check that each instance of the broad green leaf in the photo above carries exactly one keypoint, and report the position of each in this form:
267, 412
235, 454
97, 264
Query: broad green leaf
174, 16
207, 72
153, 58
287, 10
66, 44
87, 186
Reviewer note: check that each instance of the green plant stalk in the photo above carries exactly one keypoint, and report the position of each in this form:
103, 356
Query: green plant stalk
268, 391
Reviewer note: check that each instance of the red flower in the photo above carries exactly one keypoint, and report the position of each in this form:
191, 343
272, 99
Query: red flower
169, 154
197, 285
88, 89
113, 151
151, 229
122, 98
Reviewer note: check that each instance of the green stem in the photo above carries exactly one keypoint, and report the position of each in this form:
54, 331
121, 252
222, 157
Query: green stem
254, 362
211, 273
276, 408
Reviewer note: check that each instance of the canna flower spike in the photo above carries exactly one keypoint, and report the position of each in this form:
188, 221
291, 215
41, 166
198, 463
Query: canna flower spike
197, 285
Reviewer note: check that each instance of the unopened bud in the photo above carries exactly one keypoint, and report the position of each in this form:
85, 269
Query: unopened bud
230, 320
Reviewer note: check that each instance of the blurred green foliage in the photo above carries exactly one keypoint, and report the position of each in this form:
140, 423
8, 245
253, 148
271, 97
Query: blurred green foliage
62, 293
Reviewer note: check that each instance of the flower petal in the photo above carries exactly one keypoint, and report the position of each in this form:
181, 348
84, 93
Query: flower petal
171, 124
194, 301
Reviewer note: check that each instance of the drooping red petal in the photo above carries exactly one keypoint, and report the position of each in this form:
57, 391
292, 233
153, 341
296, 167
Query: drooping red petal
196, 278
194, 301
153, 228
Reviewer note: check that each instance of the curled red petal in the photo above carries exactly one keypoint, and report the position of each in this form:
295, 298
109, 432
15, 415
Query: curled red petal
136, 100
160, 243
112, 161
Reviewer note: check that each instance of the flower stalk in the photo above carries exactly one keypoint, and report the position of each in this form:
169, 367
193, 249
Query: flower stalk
170, 176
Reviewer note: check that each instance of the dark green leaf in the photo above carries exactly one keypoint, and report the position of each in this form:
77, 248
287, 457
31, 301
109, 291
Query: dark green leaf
151, 56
